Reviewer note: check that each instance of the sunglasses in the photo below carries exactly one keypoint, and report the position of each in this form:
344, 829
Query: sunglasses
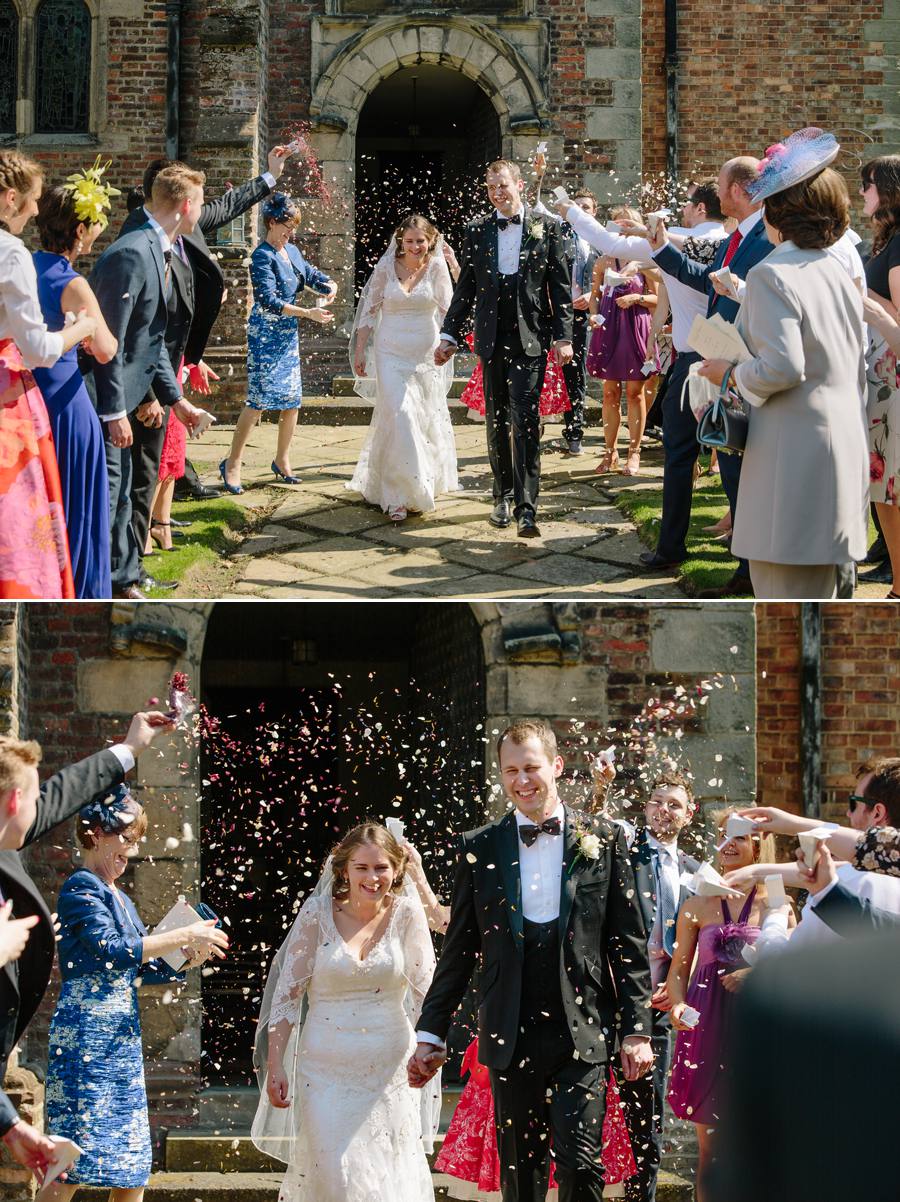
855, 799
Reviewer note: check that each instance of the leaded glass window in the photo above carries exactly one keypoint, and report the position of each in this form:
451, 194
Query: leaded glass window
9, 61
62, 67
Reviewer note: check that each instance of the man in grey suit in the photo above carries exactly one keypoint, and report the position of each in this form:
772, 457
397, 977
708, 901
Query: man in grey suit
132, 281
28, 811
661, 870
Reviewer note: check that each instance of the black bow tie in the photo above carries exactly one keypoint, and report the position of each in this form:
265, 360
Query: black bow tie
528, 834
503, 222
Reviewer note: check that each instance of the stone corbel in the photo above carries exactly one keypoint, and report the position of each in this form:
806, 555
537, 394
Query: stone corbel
538, 634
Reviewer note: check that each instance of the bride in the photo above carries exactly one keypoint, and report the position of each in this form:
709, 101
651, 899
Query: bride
336, 1029
409, 455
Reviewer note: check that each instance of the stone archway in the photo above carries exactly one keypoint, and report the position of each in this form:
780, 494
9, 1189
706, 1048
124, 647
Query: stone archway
347, 70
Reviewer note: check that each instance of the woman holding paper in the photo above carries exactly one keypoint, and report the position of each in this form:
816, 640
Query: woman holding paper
95, 1078
622, 300
701, 1010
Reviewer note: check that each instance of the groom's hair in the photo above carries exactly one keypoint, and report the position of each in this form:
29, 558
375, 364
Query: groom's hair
16, 757
507, 164
672, 779
530, 728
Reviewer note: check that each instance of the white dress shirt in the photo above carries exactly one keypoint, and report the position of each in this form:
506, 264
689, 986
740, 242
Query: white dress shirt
164, 240
124, 755
685, 302
509, 242
21, 318
882, 891
540, 869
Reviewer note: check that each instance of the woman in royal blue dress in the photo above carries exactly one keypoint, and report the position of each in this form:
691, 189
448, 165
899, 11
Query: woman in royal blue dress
278, 273
69, 220
95, 1078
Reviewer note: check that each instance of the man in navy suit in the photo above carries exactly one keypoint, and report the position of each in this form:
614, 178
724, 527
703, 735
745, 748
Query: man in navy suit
746, 247
133, 281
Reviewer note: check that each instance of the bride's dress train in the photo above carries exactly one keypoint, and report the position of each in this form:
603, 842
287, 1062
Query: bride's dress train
354, 1130
409, 454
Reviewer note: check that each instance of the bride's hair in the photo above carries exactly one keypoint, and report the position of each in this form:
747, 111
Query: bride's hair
379, 836
415, 221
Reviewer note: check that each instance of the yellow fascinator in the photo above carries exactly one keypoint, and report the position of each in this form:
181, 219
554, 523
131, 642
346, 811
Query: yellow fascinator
90, 195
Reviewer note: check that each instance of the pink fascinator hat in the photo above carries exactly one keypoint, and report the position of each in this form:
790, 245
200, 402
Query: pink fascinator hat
799, 157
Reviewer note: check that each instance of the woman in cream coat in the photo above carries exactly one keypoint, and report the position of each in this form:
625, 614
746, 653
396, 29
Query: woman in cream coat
803, 500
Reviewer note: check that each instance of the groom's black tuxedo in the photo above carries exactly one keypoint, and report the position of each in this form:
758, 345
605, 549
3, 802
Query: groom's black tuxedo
554, 995
517, 316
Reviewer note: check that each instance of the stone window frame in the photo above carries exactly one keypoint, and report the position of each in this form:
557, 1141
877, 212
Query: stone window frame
24, 134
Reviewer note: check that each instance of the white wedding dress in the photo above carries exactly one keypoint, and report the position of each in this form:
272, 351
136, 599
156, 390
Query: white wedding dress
353, 1132
409, 454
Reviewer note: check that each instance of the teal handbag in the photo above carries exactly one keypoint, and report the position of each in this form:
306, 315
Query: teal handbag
723, 427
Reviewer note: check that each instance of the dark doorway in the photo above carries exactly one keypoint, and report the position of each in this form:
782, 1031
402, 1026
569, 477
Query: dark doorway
424, 138
317, 716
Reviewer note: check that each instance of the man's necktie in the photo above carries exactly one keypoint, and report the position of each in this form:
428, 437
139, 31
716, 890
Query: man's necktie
733, 243
503, 222
167, 255
528, 834
665, 904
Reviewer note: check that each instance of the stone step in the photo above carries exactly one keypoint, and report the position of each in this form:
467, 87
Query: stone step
203, 1187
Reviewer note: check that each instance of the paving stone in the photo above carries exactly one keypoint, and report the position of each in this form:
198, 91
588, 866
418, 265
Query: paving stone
274, 538
566, 571
346, 519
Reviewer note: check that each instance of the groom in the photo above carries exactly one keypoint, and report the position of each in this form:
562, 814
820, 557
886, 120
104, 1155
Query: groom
546, 898
516, 274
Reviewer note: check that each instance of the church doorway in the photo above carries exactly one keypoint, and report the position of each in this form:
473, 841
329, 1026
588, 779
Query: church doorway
314, 720
424, 137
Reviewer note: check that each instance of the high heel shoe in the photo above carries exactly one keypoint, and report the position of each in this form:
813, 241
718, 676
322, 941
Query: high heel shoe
234, 489
159, 539
284, 475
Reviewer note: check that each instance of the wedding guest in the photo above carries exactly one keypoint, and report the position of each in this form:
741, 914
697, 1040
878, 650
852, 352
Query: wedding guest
278, 273
34, 552
707, 930
27, 812
804, 480
70, 219
744, 249
335, 1031
95, 1092
618, 348
848, 914
881, 201
132, 280
409, 453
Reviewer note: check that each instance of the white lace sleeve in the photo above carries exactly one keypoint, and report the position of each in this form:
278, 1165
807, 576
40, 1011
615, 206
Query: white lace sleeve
418, 953
442, 283
297, 965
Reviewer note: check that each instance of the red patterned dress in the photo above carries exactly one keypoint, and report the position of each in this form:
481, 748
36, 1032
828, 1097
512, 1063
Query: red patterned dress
554, 397
468, 1165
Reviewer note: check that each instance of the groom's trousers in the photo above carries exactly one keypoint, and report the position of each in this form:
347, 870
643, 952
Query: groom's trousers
545, 1092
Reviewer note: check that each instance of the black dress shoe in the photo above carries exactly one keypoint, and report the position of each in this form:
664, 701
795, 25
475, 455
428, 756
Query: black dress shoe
740, 585
882, 574
501, 515
174, 522
528, 527
131, 593
147, 581
200, 492
654, 563
878, 551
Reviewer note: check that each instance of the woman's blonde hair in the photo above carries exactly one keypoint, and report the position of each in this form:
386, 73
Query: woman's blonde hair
367, 833
415, 221
763, 844
626, 211
19, 172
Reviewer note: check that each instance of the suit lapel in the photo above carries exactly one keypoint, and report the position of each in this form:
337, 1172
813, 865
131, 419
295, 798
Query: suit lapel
508, 858
156, 251
746, 245
489, 246
568, 879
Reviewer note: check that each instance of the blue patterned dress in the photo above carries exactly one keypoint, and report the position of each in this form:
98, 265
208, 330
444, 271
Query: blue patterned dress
95, 1077
274, 379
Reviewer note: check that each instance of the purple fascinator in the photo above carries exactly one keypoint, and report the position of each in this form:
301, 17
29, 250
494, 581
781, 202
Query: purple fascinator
799, 157
113, 811
280, 207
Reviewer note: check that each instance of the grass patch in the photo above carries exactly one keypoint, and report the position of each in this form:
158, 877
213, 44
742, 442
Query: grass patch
217, 528
710, 564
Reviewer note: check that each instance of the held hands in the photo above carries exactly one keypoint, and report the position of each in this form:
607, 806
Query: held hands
424, 1063
636, 1057
277, 1087
150, 414
14, 933
144, 728
564, 353
29, 1148
444, 352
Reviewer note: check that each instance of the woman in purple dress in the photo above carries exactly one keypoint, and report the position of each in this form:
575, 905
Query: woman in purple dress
706, 927
69, 220
625, 301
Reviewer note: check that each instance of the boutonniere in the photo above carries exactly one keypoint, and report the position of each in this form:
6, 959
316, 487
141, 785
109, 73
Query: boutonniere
588, 843
536, 229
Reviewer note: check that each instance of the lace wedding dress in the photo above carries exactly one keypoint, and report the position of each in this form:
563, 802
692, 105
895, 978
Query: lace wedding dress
409, 454
354, 1129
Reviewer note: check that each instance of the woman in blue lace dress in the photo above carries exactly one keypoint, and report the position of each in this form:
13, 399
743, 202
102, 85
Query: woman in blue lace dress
279, 274
95, 1078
